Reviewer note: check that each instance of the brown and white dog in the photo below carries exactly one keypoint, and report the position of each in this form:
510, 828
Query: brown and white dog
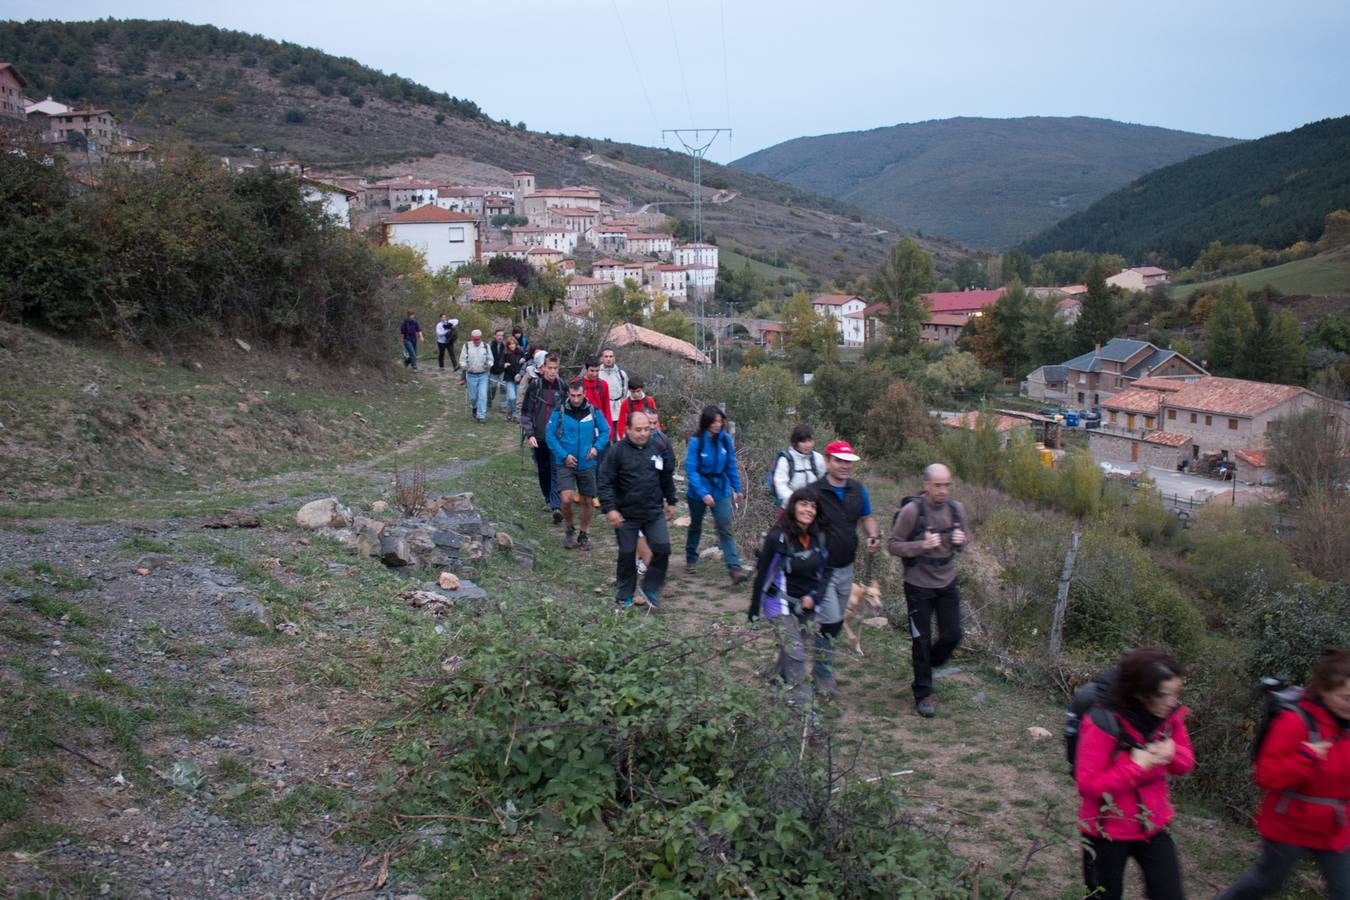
864, 602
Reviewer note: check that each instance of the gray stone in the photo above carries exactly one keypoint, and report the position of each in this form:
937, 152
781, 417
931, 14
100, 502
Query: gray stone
325, 513
523, 557
251, 607
19, 595
465, 522
394, 550
460, 501
420, 540
488, 531
447, 540
467, 590
367, 525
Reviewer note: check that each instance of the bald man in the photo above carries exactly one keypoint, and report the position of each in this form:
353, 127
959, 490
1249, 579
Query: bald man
928, 533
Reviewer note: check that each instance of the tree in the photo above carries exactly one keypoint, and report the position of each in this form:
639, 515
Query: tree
1015, 264
955, 377
1228, 331
1284, 351
969, 274
1008, 321
1098, 322
978, 338
900, 283
517, 270
670, 321
1049, 338
807, 330
621, 305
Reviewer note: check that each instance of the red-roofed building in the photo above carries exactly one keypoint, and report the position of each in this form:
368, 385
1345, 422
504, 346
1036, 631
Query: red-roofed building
962, 303
659, 245
941, 328
1004, 425
498, 292
617, 272
623, 335
541, 258
847, 312
460, 199
579, 219
11, 92
695, 254
673, 281
1253, 467
446, 239
582, 289
561, 239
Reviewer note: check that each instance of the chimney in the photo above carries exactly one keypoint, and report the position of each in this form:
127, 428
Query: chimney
1098, 348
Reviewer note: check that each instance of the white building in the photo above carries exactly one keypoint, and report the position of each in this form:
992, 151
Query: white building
847, 312
461, 199
541, 258
408, 191
610, 238
574, 218
562, 239
617, 272
1139, 278
672, 281
691, 254
701, 279
651, 244
337, 200
445, 238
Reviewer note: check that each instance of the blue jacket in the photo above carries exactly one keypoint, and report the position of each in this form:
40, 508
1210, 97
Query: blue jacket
710, 467
581, 429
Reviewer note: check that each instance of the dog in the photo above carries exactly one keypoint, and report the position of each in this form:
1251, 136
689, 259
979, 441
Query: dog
864, 602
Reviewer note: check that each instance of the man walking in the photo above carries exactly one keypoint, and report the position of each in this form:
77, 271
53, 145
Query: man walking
498, 367
616, 380
928, 533
843, 503
451, 336
576, 434
543, 395
637, 496
597, 391
476, 359
442, 341
412, 333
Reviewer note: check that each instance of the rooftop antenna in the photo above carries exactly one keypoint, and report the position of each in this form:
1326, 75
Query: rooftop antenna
694, 144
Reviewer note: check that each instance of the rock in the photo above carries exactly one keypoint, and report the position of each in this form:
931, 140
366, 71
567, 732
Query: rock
91, 389
467, 522
448, 581
1038, 733
394, 550
682, 522
420, 540
504, 541
325, 513
523, 556
242, 344
234, 519
251, 607
368, 544
447, 540
450, 665
367, 525
711, 553
379, 507
19, 595
472, 550
468, 591
460, 502
488, 531
289, 628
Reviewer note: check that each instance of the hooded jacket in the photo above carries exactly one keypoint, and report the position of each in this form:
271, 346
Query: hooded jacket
637, 481
1122, 801
540, 400
1291, 776
597, 395
710, 466
787, 568
574, 431
793, 469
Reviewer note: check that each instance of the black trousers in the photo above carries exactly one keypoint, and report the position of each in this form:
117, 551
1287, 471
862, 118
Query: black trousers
658, 538
926, 653
1104, 867
441, 351
1278, 861
543, 467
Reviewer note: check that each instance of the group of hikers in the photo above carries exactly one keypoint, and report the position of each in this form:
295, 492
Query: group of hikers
598, 443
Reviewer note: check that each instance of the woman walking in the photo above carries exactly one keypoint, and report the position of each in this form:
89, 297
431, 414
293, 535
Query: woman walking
788, 578
513, 369
714, 483
1126, 749
1303, 765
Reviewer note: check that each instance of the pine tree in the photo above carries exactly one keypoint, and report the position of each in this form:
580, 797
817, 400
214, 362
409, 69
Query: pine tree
1284, 351
1098, 322
900, 282
1228, 330
1008, 320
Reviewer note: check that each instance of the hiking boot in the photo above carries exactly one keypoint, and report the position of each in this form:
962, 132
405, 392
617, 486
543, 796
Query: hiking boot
925, 707
826, 689
623, 604
557, 516
570, 539
738, 575
653, 600
583, 541
691, 568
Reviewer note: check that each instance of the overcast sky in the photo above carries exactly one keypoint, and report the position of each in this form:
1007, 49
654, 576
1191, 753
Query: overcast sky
778, 69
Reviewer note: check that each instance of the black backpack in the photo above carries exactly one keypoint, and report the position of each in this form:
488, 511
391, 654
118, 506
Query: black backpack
1277, 696
921, 523
1090, 701
792, 471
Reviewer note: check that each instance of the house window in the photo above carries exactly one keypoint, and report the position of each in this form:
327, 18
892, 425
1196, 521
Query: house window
1192, 418
1113, 416
1209, 420
1171, 414
1232, 424
457, 234
1148, 421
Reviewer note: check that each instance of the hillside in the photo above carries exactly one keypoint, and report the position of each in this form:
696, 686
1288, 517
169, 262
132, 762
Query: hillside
1272, 192
229, 92
987, 182
1327, 274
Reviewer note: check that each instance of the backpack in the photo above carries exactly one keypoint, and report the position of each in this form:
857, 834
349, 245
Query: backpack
1090, 701
595, 424
792, 471
921, 524
1277, 696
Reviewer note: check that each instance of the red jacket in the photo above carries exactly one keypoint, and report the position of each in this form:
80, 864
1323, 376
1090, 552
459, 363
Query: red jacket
1285, 767
597, 394
627, 406
1138, 805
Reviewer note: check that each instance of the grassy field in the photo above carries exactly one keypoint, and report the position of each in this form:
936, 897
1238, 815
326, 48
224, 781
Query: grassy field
737, 261
1326, 273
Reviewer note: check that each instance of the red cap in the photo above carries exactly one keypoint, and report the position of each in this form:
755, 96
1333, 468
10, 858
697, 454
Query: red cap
842, 450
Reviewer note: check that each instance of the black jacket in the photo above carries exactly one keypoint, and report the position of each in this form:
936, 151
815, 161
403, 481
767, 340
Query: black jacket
840, 520
498, 357
541, 399
784, 565
632, 482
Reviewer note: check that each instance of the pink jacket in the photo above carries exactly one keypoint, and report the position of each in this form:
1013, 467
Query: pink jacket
1120, 800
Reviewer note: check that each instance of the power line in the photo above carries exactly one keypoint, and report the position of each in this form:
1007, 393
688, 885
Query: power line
726, 76
679, 62
692, 139
632, 58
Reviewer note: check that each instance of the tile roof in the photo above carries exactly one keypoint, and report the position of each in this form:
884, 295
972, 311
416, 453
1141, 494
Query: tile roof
1255, 458
539, 229
575, 211
15, 71
450, 190
608, 261
1069, 303
952, 301
667, 267
1134, 400
1233, 396
875, 309
639, 236
947, 319
1167, 438
1147, 270
542, 250
428, 214
586, 281
971, 419
1055, 373
1073, 289
833, 299
622, 335
499, 292
1159, 383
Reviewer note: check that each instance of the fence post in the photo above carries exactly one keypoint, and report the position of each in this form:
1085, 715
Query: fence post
1062, 598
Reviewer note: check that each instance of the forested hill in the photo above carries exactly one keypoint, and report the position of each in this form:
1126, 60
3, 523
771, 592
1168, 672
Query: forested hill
228, 92
1272, 192
987, 182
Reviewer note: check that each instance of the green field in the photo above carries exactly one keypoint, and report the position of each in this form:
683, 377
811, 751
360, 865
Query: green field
734, 260
1326, 273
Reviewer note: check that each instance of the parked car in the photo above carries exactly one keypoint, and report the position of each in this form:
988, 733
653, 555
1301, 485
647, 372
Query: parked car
1091, 418
1070, 418
1048, 411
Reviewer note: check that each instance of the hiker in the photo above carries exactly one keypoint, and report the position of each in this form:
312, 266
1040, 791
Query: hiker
714, 484
797, 465
513, 370
842, 504
412, 333
521, 341
498, 347
789, 575
1303, 766
443, 328
451, 336
1127, 747
637, 496
543, 395
928, 532
597, 390
616, 380
475, 358
576, 434
637, 399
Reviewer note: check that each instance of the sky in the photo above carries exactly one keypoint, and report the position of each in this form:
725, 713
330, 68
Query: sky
771, 70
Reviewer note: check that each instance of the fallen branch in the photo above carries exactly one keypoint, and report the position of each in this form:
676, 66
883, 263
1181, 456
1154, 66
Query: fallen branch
84, 756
